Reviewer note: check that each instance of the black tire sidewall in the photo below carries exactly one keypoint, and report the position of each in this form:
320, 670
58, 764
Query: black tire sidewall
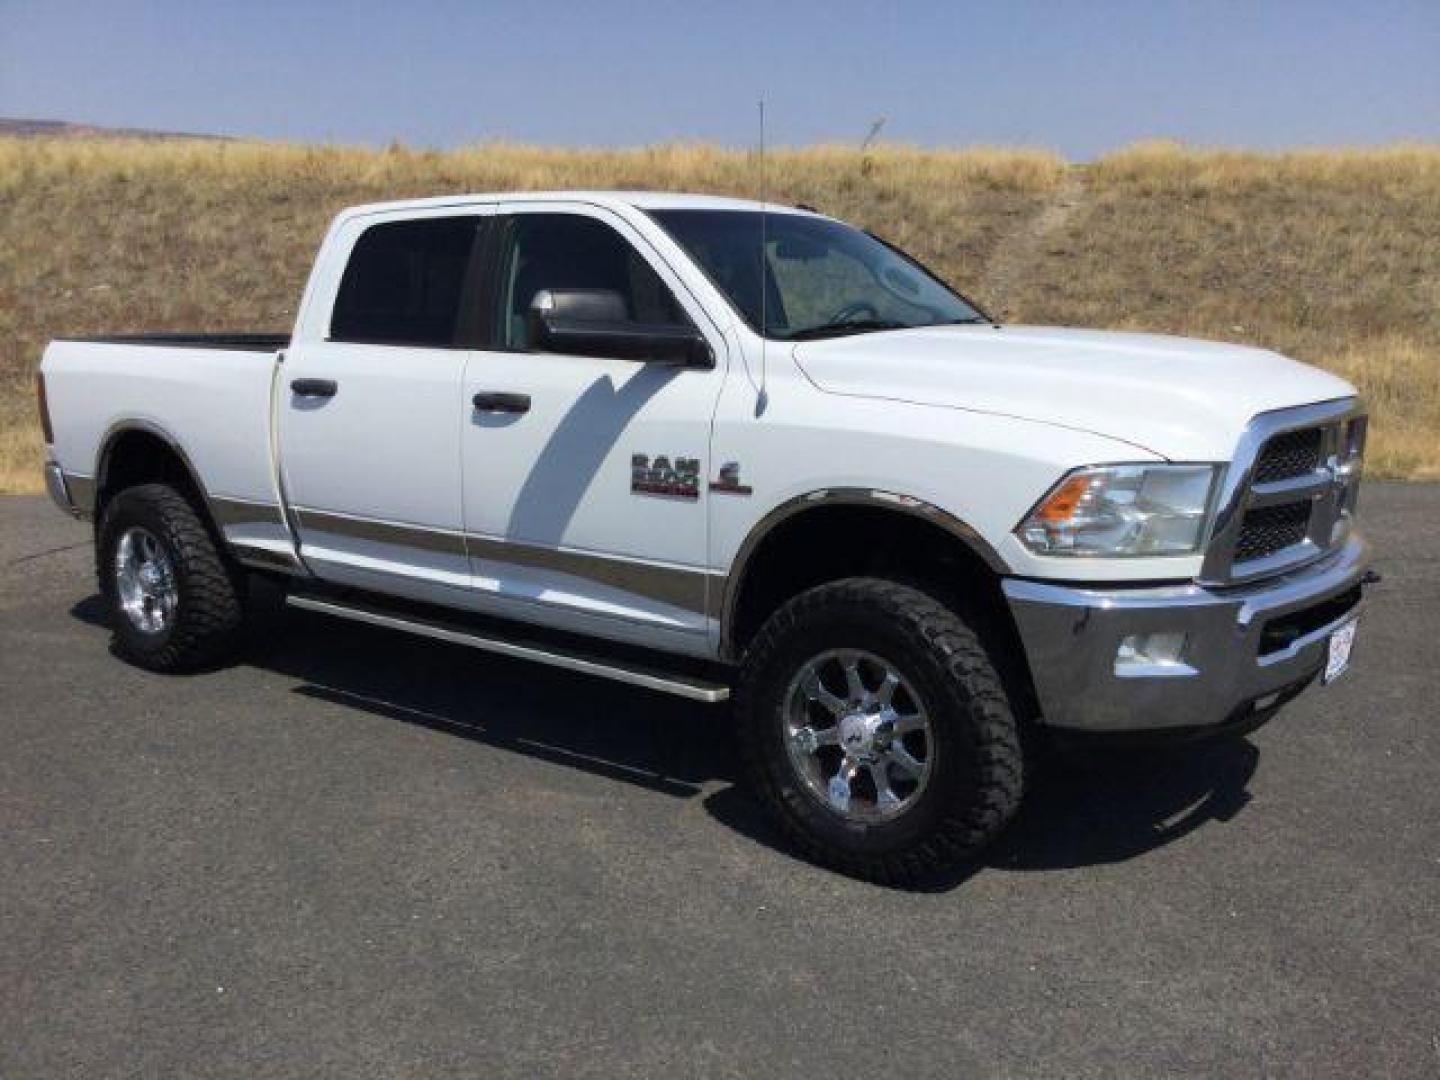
846, 623
208, 609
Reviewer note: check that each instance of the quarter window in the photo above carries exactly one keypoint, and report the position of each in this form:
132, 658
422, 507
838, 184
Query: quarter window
404, 282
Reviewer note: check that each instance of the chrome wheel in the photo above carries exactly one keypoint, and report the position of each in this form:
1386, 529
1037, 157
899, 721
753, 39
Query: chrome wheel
858, 735
145, 581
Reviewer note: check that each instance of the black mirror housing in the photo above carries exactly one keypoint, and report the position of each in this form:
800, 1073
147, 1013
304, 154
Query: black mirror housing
595, 322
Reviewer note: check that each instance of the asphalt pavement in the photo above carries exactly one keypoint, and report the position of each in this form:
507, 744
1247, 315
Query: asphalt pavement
358, 854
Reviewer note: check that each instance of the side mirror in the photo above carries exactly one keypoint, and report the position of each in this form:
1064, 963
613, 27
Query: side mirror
594, 322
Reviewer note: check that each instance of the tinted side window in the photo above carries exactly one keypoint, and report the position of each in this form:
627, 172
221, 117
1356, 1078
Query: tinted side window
571, 251
404, 282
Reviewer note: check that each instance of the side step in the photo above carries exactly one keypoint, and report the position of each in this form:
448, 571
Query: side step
685, 686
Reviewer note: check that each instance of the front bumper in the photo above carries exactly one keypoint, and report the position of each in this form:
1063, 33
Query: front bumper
1244, 646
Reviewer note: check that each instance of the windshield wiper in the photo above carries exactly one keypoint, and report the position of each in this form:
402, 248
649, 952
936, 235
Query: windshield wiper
849, 326
968, 320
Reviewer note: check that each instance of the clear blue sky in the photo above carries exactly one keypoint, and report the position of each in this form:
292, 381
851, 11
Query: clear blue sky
1081, 77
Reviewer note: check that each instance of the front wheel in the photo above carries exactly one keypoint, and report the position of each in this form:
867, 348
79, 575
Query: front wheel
174, 603
877, 731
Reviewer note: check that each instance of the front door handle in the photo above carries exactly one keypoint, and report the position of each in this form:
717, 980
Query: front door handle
315, 387
497, 401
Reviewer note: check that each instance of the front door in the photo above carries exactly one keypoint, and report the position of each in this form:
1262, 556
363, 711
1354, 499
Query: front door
585, 477
369, 416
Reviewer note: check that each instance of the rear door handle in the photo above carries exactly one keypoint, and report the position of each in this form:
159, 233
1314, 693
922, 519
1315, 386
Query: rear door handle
315, 387
497, 401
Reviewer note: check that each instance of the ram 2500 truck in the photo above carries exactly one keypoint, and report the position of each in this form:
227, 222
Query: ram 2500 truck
704, 445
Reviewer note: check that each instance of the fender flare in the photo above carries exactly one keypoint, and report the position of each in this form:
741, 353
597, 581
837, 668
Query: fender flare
120, 428
866, 497
212, 510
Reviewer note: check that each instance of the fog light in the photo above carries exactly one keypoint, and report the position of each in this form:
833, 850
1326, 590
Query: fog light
1152, 654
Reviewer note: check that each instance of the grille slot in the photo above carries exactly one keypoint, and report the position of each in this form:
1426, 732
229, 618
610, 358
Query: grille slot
1271, 529
1295, 453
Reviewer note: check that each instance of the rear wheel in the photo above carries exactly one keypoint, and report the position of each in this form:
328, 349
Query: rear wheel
174, 602
877, 731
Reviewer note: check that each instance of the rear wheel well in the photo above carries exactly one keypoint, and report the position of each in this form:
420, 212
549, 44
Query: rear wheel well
137, 456
828, 543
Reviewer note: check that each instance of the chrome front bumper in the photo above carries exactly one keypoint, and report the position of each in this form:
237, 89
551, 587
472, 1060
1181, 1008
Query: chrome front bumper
1243, 645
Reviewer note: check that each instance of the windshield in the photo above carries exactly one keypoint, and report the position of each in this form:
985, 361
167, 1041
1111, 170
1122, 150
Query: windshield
822, 278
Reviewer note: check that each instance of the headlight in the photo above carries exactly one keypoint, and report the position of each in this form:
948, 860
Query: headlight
1123, 510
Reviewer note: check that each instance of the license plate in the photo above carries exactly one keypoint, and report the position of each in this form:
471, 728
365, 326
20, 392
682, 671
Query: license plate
1337, 656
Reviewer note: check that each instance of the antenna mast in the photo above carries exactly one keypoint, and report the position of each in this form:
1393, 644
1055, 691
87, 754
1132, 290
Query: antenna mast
761, 401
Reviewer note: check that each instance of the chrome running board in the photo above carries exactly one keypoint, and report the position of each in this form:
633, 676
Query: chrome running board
684, 686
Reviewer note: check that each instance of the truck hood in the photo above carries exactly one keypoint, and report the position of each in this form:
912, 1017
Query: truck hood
1183, 399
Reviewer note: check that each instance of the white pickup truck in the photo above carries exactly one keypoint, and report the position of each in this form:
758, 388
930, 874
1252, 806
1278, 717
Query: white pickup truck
698, 444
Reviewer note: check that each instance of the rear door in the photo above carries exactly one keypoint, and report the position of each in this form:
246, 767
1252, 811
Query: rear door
369, 410
585, 484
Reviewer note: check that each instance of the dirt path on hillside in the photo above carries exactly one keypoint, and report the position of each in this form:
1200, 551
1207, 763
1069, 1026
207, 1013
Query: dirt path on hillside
1017, 253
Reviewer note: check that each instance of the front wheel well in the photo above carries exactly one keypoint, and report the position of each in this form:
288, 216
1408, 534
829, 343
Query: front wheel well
828, 543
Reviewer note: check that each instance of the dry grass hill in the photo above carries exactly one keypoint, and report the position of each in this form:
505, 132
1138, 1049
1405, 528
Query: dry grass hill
1331, 256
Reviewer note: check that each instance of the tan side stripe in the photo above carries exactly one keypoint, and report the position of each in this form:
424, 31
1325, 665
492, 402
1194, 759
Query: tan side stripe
245, 512
383, 532
677, 586
265, 559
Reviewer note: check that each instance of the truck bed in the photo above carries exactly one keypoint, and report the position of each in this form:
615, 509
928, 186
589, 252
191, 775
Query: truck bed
208, 394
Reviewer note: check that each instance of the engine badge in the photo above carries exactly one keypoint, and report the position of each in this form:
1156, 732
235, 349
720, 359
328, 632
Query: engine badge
729, 480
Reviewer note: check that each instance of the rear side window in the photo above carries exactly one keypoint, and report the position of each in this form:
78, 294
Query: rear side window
405, 282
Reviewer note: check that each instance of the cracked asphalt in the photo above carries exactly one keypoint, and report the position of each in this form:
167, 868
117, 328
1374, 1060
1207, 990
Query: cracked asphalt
358, 854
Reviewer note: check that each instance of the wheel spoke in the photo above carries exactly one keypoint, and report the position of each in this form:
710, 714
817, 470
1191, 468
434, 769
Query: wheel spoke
903, 760
839, 786
905, 723
884, 794
810, 738
815, 690
854, 685
887, 688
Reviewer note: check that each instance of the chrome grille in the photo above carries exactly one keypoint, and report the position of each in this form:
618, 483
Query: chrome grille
1289, 493
1286, 456
1272, 528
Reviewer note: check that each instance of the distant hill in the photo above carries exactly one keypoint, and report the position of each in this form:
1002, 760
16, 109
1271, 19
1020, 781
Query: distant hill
1325, 255
63, 129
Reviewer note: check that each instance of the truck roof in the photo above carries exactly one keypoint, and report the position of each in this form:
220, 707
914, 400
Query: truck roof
644, 200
